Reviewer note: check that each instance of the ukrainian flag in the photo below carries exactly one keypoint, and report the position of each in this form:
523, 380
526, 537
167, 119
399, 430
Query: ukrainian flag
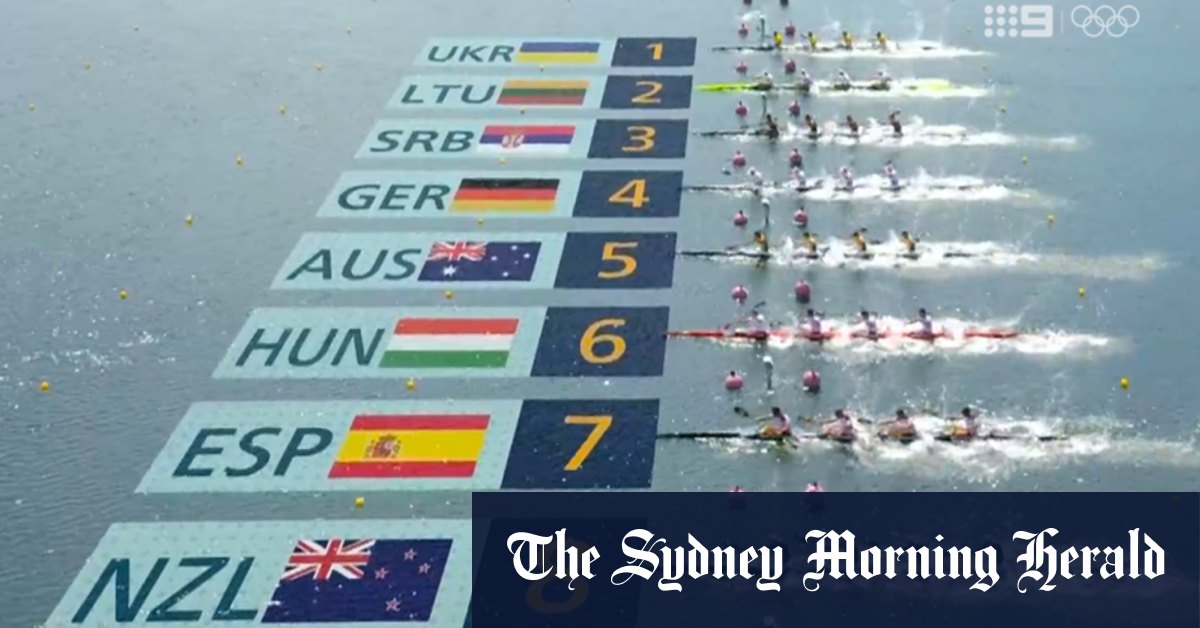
559, 52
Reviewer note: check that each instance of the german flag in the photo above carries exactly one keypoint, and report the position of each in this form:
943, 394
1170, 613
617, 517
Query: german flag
537, 92
480, 196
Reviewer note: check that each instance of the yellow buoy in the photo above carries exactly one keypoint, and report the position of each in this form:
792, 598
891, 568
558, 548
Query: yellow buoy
136, 28
479, 222
1003, 109
411, 384
359, 502
238, 160
87, 65
123, 295
1124, 383
1082, 291
348, 30
44, 386
282, 110
449, 294
1050, 219
503, 160
32, 107
1025, 159
319, 66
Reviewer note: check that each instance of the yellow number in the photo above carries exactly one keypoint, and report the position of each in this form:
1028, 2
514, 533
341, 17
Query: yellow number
651, 95
632, 194
587, 344
600, 424
610, 254
643, 138
535, 596
656, 50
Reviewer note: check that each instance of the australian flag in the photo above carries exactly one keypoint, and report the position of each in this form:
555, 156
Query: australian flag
340, 580
480, 261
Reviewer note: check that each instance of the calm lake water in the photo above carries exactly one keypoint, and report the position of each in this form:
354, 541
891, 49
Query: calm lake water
120, 119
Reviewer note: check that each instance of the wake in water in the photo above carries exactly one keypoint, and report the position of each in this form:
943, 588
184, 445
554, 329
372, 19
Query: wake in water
916, 132
920, 187
892, 255
899, 337
1067, 441
934, 88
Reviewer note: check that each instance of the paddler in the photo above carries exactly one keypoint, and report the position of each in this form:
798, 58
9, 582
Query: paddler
812, 41
901, 428
811, 123
860, 243
870, 324
843, 81
799, 180
771, 128
778, 425
894, 120
889, 171
810, 246
756, 180
881, 40
910, 244
846, 178
926, 323
804, 84
882, 82
762, 243
840, 428
764, 82
812, 324
778, 37
966, 427
847, 40
852, 124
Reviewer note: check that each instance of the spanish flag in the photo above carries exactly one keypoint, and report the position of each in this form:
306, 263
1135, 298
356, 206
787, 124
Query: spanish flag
411, 446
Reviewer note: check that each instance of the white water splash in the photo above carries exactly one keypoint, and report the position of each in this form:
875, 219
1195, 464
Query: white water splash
933, 257
953, 339
920, 187
916, 132
1079, 440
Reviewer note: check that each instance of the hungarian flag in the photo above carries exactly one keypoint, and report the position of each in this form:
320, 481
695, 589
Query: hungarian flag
430, 343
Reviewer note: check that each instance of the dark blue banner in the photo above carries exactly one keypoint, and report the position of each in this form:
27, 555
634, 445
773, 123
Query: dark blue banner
850, 560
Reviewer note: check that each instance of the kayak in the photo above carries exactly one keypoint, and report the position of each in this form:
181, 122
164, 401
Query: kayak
788, 334
931, 85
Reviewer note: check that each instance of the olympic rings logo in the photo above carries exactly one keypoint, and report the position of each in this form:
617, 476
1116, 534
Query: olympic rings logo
1105, 19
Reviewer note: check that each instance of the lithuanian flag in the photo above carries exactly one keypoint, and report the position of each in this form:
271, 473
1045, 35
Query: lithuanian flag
411, 446
535, 92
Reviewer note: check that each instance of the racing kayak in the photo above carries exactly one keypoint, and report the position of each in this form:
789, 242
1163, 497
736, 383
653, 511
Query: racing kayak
819, 183
750, 436
804, 256
850, 440
895, 85
801, 48
835, 334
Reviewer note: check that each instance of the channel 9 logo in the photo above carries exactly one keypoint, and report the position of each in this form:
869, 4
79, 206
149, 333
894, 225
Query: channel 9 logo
1027, 21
